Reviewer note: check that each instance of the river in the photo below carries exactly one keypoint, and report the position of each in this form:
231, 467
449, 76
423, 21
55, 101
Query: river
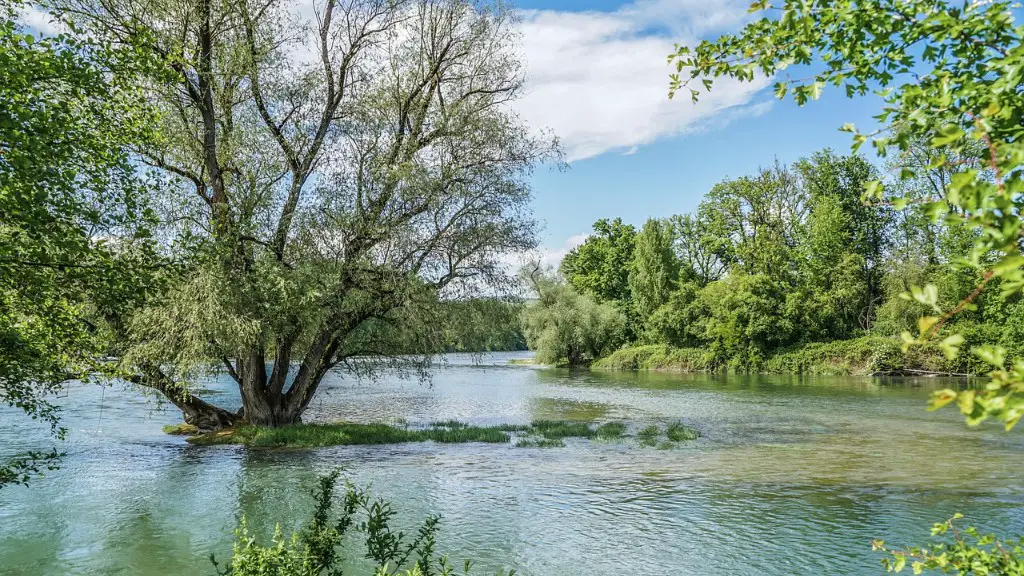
792, 475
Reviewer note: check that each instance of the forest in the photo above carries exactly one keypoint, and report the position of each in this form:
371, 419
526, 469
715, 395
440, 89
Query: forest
786, 270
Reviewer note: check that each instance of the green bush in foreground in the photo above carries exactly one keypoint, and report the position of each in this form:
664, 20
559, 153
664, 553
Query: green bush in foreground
320, 547
962, 552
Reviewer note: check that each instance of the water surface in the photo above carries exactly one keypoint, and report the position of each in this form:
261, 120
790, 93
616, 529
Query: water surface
792, 475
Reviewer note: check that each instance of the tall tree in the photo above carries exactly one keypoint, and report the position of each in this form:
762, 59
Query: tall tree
654, 271
333, 178
758, 219
698, 247
836, 182
600, 266
74, 229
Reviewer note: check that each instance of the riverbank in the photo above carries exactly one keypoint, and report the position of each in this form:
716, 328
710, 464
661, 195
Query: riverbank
538, 434
865, 356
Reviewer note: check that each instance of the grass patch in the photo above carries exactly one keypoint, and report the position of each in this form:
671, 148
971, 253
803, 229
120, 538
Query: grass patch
317, 435
678, 432
182, 429
539, 442
610, 430
558, 429
538, 434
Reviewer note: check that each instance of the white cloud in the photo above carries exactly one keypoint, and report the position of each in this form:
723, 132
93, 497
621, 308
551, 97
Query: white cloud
547, 256
599, 80
40, 21
553, 256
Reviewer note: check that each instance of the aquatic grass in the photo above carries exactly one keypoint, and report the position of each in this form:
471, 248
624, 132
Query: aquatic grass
182, 429
558, 429
610, 430
539, 442
678, 432
346, 434
540, 433
648, 436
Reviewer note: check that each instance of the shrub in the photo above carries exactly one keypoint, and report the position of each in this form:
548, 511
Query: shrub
960, 551
318, 548
566, 327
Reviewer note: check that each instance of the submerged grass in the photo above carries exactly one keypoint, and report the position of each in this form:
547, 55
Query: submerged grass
539, 433
316, 435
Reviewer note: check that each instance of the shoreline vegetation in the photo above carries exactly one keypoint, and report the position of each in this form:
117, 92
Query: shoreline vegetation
537, 434
865, 356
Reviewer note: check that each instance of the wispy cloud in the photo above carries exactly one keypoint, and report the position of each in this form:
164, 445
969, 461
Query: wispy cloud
40, 21
599, 80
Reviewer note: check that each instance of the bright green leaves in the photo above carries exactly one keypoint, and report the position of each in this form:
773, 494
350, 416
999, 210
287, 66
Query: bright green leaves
961, 98
957, 551
74, 227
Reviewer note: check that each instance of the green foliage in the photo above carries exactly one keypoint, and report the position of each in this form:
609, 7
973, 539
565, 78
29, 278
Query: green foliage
482, 325
949, 75
859, 356
658, 357
959, 551
654, 271
315, 435
600, 266
566, 327
320, 548
746, 317
321, 227
74, 224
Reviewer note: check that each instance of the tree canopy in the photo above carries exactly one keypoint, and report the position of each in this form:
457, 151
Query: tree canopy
949, 75
75, 229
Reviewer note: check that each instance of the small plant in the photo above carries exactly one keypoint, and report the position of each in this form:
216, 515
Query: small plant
965, 552
678, 432
648, 436
610, 430
539, 442
318, 549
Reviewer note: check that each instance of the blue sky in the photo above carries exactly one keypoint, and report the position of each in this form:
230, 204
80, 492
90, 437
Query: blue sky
597, 76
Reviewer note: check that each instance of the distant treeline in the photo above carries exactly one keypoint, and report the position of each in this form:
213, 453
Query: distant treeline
482, 325
767, 264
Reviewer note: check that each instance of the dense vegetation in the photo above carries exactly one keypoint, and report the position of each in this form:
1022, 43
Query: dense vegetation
74, 222
786, 270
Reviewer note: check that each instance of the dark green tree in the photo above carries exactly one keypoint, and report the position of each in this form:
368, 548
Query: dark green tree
600, 266
654, 271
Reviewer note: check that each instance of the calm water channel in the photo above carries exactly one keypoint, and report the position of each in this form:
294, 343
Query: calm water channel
792, 476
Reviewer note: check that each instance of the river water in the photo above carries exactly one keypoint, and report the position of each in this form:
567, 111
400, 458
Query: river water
791, 476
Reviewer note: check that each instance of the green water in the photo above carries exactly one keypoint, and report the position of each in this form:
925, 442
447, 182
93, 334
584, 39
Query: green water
792, 476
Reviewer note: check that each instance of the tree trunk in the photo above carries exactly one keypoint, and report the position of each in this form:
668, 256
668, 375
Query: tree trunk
194, 410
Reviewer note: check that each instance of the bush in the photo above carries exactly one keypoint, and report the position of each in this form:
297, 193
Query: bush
318, 549
659, 357
966, 552
566, 327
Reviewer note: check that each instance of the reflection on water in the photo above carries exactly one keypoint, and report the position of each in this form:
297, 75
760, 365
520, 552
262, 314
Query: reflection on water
792, 476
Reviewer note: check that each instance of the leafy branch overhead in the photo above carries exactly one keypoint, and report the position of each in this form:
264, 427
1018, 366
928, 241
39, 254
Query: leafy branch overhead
946, 73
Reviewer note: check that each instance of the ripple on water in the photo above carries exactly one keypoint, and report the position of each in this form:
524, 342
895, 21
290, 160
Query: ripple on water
791, 476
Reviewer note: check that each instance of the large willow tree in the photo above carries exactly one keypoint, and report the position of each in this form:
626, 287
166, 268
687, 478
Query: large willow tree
337, 173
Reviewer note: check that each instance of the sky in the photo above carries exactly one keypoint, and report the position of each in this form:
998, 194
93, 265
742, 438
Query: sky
597, 76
